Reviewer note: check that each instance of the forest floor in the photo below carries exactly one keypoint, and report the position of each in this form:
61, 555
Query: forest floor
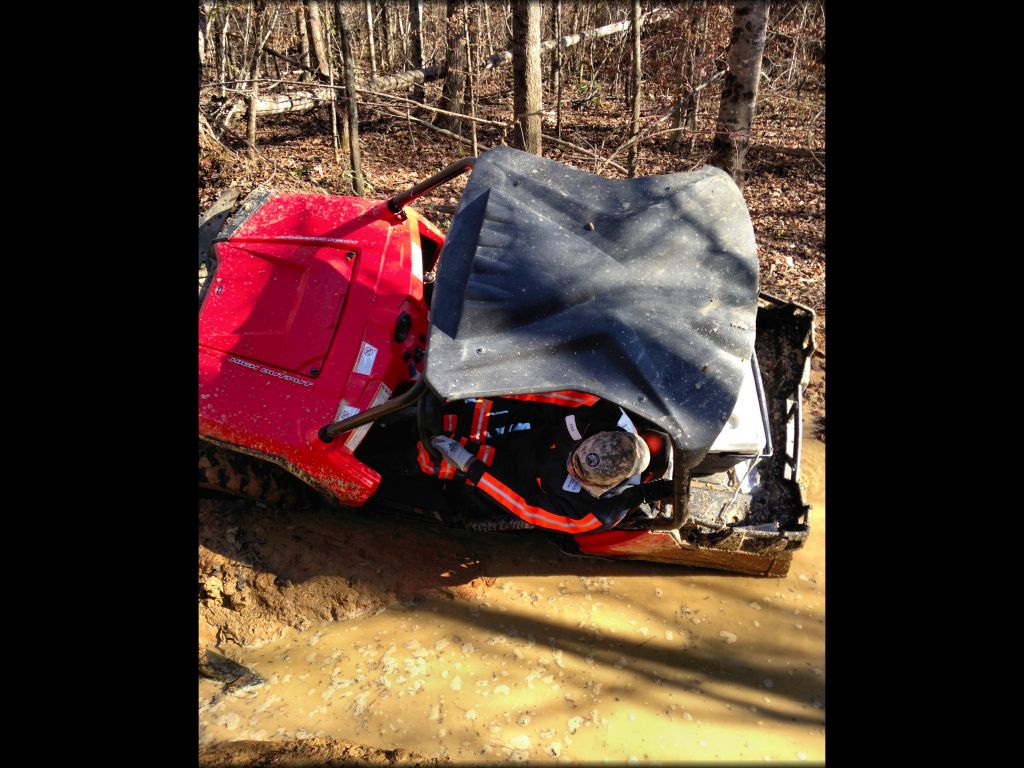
267, 577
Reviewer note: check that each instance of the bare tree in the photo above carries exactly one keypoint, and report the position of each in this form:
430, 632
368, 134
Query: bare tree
204, 31
316, 36
739, 92
386, 35
415, 32
487, 25
526, 83
692, 44
259, 38
455, 81
471, 39
797, 44
335, 140
221, 41
556, 70
300, 26
697, 75
369, 32
345, 42
634, 125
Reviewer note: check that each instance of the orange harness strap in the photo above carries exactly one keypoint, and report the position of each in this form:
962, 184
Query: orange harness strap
518, 506
568, 398
481, 415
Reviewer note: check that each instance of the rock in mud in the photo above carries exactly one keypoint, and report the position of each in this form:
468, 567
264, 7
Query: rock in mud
217, 667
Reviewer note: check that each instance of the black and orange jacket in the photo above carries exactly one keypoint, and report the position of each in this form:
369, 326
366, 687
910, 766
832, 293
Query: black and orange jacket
521, 443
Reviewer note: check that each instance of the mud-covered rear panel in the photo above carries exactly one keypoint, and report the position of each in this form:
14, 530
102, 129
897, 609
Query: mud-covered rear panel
750, 518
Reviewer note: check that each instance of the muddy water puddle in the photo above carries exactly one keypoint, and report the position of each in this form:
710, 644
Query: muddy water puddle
651, 664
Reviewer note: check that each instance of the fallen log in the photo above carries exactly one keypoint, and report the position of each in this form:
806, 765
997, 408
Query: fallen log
427, 74
567, 41
398, 80
303, 101
295, 101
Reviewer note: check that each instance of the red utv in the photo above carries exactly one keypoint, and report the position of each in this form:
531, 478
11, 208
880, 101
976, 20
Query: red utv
332, 329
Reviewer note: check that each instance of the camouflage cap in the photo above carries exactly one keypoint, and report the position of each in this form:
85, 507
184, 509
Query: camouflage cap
606, 459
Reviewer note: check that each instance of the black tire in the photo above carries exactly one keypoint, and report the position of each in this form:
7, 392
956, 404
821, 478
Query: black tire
236, 474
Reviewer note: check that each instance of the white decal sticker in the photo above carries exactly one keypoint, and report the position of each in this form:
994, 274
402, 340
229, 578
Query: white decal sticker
570, 424
571, 484
367, 354
417, 256
625, 422
383, 393
344, 411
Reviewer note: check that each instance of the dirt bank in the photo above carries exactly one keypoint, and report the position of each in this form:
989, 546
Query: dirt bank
263, 571
306, 752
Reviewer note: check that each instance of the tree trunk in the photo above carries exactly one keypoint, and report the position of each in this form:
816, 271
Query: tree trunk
403, 35
471, 38
797, 40
222, 54
335, 141
385, 35
415, 33
455, 80
739, 92
316, 37
698, 57
556, 70
204, 25
345, 41
244, 53
251, 133
634, 125
300, 24
690, 54
507, 18
684, 75
369, 34
526, 82
625, 70
254, 69
487, 25
574, 59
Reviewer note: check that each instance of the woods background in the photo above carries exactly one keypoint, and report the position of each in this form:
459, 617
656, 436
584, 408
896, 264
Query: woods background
369, 96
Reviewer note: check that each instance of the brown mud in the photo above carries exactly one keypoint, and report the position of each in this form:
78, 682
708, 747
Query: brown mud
373, 633
264, 571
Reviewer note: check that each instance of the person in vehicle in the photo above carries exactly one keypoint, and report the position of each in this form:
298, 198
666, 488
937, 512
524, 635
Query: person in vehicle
567, 461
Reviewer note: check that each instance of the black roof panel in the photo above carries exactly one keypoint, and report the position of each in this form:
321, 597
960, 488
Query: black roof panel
642, 291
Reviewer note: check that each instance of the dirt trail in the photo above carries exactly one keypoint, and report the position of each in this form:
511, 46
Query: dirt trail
500, 647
